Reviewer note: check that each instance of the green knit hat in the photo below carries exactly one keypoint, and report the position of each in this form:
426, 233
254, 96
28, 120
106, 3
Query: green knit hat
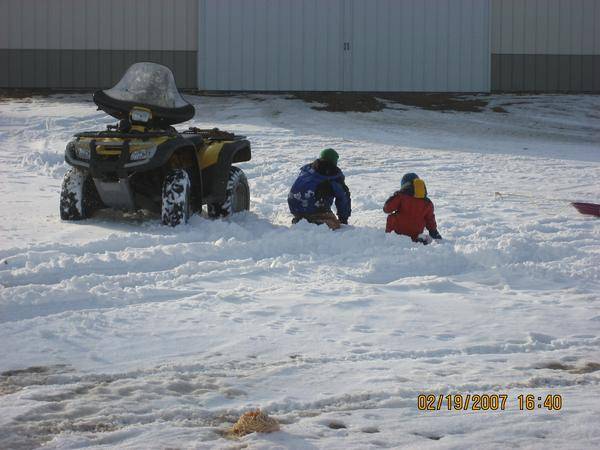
330, 155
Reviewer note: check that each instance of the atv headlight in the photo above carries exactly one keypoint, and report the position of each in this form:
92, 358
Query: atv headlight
82, 152
139, 155
140, 115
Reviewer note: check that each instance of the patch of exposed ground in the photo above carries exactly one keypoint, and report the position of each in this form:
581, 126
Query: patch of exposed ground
324, 101
361, 102
14, 380
586, 368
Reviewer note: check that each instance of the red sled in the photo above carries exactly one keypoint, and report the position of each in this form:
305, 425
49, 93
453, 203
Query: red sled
587, 208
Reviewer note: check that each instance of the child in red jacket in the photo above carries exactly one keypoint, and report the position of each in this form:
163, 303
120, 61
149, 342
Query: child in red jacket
410, 211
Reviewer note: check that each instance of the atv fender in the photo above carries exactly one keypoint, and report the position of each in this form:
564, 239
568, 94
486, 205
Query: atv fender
215, 177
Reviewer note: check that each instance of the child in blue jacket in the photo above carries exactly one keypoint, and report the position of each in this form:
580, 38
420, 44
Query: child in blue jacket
313, 192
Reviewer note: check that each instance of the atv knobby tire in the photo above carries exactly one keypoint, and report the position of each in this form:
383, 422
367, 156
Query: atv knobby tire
79, 198
237, 195
176, 198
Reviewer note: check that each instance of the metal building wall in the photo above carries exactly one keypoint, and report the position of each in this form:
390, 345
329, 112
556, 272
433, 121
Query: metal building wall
344, 45
79, 44
270, 45
428, 46
546, 45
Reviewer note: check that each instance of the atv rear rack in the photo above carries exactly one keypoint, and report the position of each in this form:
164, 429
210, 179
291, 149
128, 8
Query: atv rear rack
120, 135
213, 134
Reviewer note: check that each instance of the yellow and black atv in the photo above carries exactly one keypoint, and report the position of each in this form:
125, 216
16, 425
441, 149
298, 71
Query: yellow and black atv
144, 163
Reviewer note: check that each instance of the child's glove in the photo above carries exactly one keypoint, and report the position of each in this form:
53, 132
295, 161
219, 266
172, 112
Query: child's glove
435, 235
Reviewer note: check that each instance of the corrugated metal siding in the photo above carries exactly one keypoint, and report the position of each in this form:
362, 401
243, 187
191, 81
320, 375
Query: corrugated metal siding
99, 24
546, 45
89, 43
395, 45
548, 27
87, 69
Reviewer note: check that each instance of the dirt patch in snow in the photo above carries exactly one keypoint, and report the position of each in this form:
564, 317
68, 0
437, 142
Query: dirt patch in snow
359, 102
336, 425
341, 101
14, 380
586, 368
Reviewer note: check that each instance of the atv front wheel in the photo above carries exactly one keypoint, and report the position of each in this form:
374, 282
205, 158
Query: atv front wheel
79, 198
176, 198
237, 195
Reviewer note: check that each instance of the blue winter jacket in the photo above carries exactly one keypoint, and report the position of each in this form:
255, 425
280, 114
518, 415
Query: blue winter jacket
316, 187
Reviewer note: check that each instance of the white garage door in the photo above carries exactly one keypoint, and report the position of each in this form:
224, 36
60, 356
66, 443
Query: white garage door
344, 45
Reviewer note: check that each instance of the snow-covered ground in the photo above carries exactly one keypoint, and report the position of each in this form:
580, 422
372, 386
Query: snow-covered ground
121, 333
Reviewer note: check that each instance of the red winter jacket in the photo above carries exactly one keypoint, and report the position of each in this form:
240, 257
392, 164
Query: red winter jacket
409, 215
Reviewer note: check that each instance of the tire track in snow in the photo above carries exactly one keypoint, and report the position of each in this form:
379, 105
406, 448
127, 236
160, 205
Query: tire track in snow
172, 263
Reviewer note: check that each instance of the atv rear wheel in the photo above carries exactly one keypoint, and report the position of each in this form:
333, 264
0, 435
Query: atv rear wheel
237, 195
176, 198
79, 198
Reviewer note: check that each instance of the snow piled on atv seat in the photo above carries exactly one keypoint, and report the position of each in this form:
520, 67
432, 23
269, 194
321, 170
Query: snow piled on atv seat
118, 332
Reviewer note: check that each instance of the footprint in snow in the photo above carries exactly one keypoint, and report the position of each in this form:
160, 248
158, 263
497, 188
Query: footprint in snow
433, 437
359, 351
445, 337
362, 329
